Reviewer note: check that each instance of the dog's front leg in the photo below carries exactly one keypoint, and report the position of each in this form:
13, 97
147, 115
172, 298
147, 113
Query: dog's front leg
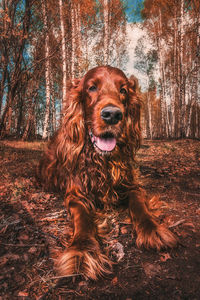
150, 233
84, 256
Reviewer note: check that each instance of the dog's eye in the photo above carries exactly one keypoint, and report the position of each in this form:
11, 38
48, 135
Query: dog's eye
123, 91
92, 88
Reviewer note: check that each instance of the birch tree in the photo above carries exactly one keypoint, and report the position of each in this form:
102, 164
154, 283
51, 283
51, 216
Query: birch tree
63, 51
13, 40
47, 72
106, 32
43, 47
173, 27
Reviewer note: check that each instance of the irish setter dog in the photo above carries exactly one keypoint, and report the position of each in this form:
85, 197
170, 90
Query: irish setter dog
91, 159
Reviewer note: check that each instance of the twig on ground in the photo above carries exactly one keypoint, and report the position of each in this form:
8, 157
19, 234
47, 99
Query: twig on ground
177, 223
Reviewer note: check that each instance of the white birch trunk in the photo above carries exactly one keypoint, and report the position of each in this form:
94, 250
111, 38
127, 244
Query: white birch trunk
53, 106
182, 108
174, 84
78, 35
181, 34
73, 41
149, 114
106, 31
189, 120
47, 73
64, 58
197, 131
194, 86
164, 112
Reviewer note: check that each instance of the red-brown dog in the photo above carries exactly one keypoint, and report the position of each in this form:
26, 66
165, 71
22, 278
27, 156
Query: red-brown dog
91, 158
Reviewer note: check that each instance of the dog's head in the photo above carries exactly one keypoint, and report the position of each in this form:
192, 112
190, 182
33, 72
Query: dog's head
104, 105
108, 98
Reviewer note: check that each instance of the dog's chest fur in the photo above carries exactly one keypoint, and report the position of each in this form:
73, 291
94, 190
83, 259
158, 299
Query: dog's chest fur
109, 183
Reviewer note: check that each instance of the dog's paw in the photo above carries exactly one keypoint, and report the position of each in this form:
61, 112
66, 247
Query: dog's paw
85, 261
152, 235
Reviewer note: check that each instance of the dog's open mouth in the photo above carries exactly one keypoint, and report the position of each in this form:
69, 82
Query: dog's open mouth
105, 143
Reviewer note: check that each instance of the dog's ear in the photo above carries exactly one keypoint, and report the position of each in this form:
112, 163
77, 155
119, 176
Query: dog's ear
62, 153
71, 136
134, 107
134, 84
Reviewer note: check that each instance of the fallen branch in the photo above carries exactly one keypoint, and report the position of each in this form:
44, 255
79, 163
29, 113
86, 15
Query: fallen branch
177, 223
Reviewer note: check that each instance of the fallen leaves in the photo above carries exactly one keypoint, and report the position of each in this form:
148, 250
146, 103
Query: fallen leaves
123, 230
32, 250
164, 257
115, 280
151, 270
23, 236
23, 294
33, 222
117, 250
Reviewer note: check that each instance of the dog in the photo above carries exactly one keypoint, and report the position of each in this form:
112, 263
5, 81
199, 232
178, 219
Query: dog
91, 159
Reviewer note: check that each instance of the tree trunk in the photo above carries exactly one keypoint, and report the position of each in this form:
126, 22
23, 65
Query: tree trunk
181, 105
47, 72
106, 31
15, 77
63, 53
78, 38
164, 112
73, 40
53, 107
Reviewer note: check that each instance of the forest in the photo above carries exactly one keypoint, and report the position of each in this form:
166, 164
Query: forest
45, 46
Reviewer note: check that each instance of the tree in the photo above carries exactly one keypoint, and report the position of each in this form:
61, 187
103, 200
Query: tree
63, 51
43, 47
146, 63
47, 72
15, 31
173, 27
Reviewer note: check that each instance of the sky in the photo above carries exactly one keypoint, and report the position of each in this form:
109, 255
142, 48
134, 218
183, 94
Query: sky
134, 33
133, 10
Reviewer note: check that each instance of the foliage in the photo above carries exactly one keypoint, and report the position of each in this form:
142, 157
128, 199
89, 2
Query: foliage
44, 46
34, 224
31, 43
174, 27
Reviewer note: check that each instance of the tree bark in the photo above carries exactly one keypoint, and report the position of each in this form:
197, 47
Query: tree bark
73, 40
106, 31
47, 72
63, 53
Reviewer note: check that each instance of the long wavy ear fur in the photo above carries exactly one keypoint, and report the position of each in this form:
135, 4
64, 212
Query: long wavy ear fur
133, 122
71, 135
62, 153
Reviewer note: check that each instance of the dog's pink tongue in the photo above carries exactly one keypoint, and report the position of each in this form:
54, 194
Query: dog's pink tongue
105, 144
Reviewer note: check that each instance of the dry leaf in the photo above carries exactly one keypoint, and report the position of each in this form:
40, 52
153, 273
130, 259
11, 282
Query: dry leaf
151, 270
165, 256
22, 294
115, 281
124, 230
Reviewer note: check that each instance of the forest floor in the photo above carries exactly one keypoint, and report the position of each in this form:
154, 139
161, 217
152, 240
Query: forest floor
33, 223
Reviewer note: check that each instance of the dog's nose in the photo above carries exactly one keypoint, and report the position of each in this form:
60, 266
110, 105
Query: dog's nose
111, 115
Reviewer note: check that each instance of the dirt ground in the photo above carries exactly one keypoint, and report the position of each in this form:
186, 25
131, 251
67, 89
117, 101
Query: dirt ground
34, 223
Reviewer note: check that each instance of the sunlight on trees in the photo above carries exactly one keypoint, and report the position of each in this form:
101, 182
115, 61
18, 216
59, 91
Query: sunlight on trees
174, 26
44, 46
